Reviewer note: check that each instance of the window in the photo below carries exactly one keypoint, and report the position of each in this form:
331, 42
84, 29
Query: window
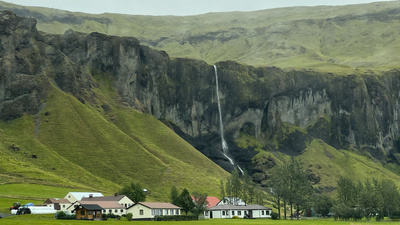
177, 212
227, 213
267, 212
110, 211
233, 213
153, 212
262, 212
141, 212
239, 213
171, 212
89, 212
223, 213
98, 212
116, 210
63, 206
122, 210
104, 211
82, 212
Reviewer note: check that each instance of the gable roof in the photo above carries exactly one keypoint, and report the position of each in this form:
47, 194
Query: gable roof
238, 207
90, 206
104, 204
104, 198
55, 200
157, 205
212, 201
79, 195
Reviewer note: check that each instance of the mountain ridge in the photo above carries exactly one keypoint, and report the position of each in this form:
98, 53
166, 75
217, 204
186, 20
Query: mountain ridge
313, 37
281, 112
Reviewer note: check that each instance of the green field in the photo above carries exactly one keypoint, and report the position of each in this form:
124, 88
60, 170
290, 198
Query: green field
49, 219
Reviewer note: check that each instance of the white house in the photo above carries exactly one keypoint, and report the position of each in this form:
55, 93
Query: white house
57, 203
231, 201
228, 211
77, 196
108, 207
147, 210
121, 199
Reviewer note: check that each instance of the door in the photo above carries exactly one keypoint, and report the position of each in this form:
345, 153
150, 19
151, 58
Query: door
211, 215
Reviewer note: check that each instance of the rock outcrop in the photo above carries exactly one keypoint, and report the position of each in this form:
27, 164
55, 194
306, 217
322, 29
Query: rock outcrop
285, 109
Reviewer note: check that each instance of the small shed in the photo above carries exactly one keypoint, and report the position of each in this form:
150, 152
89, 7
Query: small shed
88, 212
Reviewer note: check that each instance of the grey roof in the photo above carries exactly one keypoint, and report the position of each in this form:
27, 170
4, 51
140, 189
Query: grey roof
238, 207
90, 206
80, 195
104, 198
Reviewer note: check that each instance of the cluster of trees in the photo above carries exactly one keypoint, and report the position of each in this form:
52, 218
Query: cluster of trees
196, 205
356, 200
241, 187
289, 186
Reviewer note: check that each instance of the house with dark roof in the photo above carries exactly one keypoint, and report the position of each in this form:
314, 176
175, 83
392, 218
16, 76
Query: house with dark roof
88, 212
147, 210
121, 199
227, 211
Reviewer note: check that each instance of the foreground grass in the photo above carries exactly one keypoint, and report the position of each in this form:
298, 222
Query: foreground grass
49, 219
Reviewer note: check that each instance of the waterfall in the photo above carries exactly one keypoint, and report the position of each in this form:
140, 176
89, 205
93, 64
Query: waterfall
221, 126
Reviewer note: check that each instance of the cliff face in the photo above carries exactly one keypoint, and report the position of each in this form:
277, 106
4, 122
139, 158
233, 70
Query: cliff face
284, 109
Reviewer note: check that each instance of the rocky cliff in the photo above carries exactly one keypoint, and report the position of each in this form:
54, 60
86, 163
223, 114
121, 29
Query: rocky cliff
284, 110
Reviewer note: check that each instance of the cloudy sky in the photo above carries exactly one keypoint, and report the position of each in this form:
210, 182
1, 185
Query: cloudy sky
175, 7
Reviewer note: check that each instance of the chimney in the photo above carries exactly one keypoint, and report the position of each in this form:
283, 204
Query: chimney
91, 196
115, 194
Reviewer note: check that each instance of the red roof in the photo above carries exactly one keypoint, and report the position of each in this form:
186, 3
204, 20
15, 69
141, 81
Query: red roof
212, 201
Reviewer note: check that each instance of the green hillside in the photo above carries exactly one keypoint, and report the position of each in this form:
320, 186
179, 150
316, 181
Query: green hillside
326, 164
75, 145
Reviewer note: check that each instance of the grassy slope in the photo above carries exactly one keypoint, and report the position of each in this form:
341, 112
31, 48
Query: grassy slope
329, 164
77, 147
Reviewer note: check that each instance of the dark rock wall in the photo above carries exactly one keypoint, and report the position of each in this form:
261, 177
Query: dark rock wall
292, 108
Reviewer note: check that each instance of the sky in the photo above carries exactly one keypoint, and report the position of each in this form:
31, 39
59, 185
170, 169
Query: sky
175, 7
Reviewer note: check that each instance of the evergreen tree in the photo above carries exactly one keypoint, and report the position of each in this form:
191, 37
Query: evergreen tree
236, 186
185, 201
174, 195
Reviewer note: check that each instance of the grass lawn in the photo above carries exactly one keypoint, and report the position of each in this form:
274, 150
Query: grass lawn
49, 219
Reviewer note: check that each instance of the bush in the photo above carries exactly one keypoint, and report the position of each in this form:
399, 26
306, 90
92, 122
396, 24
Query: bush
62, 216
274, 215
176, 218
129, 216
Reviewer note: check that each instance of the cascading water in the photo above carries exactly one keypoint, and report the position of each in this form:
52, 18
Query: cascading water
225, 148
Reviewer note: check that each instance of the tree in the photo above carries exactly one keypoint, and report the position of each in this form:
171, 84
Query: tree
246, 192
134, 192
222, 189
200, 203
322, 204
236, 186
185, 201
277, 185
347, 191
174, 195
